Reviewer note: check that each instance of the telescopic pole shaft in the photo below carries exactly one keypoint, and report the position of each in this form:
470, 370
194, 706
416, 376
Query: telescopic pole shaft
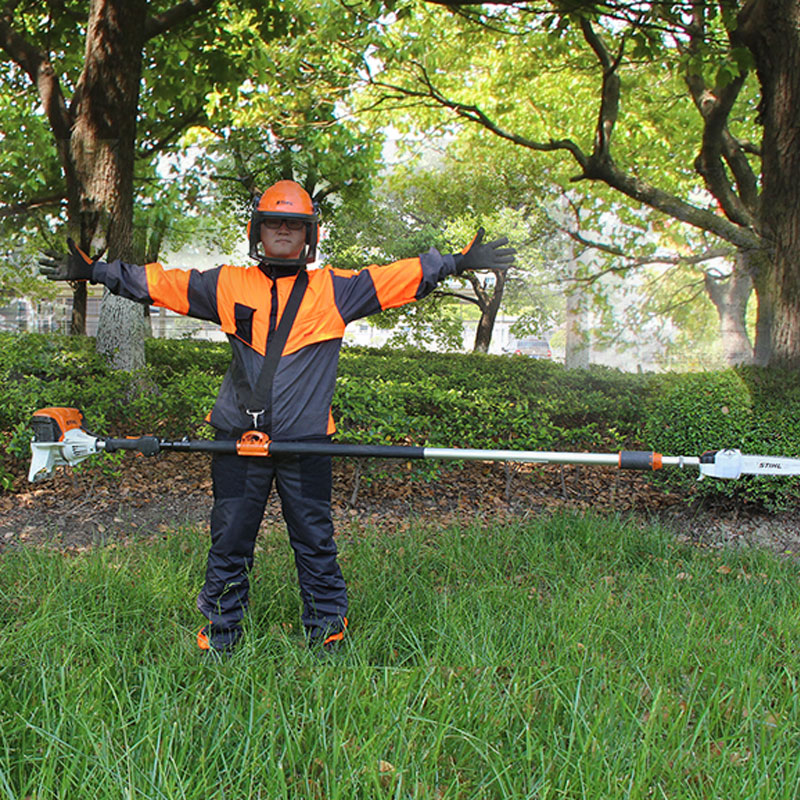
627, 459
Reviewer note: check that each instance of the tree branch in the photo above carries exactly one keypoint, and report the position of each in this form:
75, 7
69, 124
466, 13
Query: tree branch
643, 261
714, 106
38, 67
609, 95
183, 122
31, 205
599, 166
473, 113
671, 205
482, 296
160, 23
458, 296
714, 252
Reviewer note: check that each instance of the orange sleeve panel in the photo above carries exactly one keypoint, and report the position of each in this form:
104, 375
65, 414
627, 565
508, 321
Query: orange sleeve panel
359, 294
168, 288
189, 292
397, 284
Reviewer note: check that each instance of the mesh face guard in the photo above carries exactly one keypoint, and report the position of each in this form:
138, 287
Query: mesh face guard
284, 200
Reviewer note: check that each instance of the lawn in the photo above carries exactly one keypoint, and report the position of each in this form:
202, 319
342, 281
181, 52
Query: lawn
567, 657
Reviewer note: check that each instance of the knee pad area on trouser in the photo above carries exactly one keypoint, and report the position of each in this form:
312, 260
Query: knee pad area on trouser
304, 485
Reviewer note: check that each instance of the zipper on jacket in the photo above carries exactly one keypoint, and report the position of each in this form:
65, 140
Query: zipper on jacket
273, 313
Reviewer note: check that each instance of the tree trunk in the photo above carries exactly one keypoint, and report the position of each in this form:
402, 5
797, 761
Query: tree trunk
730, 299
489, 311
483, 332
756, 263
77, 326
762, 352
771, 29
102, 149
578, 349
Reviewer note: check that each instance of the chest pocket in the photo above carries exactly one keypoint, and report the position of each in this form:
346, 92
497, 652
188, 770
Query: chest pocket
243, 316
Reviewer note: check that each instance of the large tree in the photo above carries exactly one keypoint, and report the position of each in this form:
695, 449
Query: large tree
714, 47
91, 105
120, 87
116, 83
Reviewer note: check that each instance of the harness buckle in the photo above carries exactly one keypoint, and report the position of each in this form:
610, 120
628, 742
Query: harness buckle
255, 415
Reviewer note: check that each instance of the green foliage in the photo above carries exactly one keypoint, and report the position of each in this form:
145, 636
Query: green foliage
169, 399
171, 357
483, 401
688, 411
441, 202
526, 78
431, 399
753, 410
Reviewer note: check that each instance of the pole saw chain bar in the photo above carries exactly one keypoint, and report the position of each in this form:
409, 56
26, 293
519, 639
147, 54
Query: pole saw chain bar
60, 439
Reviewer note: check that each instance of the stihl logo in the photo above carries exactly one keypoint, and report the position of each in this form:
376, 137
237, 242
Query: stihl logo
768, 465
284, 203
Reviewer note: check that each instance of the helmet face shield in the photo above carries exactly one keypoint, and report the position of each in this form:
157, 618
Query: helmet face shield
292, 223
285, 201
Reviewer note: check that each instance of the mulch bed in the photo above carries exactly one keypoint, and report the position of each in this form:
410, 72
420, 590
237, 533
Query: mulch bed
140, 497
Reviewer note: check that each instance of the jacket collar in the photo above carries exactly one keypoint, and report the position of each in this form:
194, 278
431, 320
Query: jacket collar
275, 270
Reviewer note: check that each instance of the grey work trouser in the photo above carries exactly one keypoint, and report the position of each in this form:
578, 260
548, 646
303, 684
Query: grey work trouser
241, 487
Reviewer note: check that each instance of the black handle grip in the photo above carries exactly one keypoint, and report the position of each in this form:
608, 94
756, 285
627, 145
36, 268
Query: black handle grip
639, 459
147, 445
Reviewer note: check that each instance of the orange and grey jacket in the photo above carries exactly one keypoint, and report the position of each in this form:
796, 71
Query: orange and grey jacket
247, 303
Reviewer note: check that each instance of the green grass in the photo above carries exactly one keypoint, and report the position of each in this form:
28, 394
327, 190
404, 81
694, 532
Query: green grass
562, 658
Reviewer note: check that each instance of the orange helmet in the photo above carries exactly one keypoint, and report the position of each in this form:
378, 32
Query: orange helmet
285, 200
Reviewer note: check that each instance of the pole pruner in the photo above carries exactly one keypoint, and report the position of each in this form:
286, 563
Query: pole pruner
61, 439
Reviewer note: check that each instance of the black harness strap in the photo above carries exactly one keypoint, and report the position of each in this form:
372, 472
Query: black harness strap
260, 398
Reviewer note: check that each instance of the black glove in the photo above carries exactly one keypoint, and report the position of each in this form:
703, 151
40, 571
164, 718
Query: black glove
491, 255
74, 265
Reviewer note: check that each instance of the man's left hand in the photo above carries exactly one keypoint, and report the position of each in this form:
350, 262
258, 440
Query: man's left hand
491, 255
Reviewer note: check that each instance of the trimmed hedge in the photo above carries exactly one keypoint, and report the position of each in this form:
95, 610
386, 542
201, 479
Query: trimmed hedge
429, 398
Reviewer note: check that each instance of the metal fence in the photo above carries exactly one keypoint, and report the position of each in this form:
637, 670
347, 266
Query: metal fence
36, 316
53, 316
23, 315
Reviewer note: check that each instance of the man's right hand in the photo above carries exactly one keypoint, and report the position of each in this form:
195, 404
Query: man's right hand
74, 265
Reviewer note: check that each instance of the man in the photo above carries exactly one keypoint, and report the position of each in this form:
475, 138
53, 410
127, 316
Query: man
289, 398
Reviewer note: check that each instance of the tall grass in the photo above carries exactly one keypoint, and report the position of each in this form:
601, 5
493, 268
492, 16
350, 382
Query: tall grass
565, 658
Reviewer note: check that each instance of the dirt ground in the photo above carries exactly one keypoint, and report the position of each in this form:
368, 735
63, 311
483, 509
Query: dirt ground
142, 497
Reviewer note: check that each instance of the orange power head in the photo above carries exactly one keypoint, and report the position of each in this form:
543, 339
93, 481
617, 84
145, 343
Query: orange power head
50, 424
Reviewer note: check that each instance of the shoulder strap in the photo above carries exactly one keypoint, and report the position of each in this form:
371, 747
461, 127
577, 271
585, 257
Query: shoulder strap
260, 396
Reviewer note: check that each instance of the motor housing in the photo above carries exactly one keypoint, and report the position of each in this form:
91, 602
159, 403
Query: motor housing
50, 424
